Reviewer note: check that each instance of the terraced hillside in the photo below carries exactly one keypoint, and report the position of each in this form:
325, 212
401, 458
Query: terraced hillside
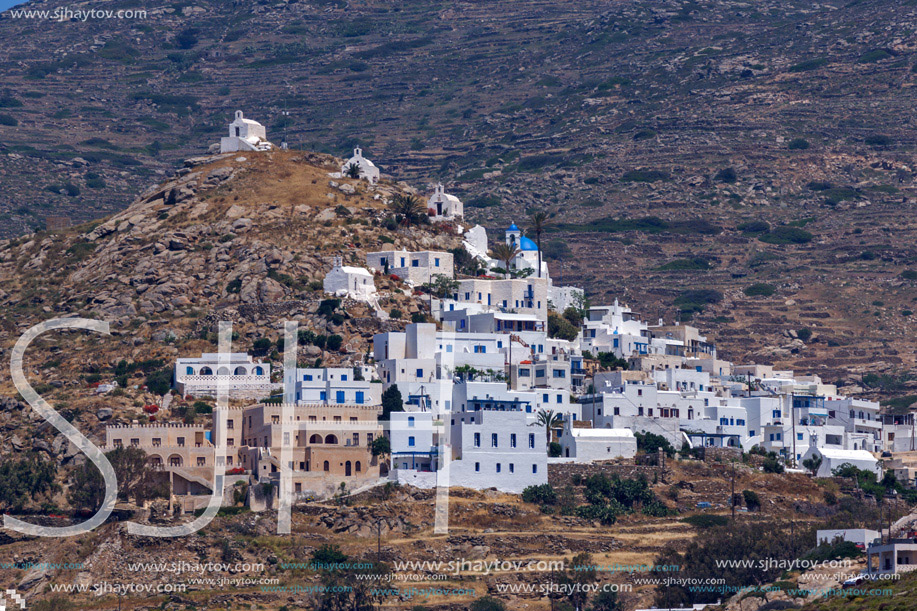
652, 130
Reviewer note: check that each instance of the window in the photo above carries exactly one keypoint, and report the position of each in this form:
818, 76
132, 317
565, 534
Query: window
355, 440
307, 377
411, 441
229, 424
546, 398
798, 436
525, 372
436, 262
560, 398
323, 395
420, 373
477, 440
201, 461
230, 442
118, 443
340, 396
157, 442
415, 263
359, 397
498, 467
343, 377
480, 349
512, 440
275, 419
512, 468
180, 442
477, 467
531, 440
534, 468
724, 421
493, 440
559, 373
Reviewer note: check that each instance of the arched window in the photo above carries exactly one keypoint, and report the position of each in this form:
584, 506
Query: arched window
358, 467
331, 439
240, 371
175, 460
223, 371
155, 461
327, 466
347, 467
259, 371
206, 371
189, 371
315, 439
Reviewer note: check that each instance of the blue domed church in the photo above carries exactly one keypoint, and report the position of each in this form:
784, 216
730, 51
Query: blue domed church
528, 251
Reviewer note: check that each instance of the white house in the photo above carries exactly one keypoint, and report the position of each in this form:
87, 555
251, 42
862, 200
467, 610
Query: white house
242, 377
368, 169
413, 267
245, 135
345, 281
497, 448
330, 386
859, 536
590, 444
832, 459
443, 207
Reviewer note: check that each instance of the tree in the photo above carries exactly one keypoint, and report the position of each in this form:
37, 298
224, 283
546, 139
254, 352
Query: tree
352, 171
606, 600
504, 253
812, 464
24, 479
487, 603
261, 346
160, 381
542, 494
549, 419
408, 207
381, 447
539, 221
560, 327
391, 402
752, 500
333, 343
581, 573
136, 480
442, 286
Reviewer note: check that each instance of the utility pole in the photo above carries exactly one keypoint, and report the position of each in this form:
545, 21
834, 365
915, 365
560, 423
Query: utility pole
732, 499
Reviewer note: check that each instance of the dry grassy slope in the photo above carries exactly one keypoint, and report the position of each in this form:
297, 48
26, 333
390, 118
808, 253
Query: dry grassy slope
482, 526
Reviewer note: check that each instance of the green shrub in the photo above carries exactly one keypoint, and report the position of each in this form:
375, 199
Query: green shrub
752, 500
754, 227
909, 274
705, 520
874, 56
726, 175
543, 494
804, 334
695, 264
809, 64
760, 289
8, 120
798, 144
159, 382
786, 235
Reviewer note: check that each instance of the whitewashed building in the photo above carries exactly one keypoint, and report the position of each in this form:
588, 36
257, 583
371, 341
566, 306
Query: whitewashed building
330, 386
587, 444
415, 268
368, 170
245, 135
444, 207
832, 459
242, 377
346, 281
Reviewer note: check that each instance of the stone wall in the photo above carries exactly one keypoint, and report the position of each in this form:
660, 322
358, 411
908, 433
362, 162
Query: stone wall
560, 474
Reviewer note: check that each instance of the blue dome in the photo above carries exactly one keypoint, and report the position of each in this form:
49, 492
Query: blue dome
513, 227
527, 244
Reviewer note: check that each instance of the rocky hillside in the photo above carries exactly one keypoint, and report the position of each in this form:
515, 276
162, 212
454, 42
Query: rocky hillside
660, 134
246, 240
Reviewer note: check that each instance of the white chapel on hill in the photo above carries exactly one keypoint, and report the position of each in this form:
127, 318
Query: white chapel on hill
245, 135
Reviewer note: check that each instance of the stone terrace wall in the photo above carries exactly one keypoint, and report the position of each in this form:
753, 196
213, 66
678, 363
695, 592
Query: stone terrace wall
560, 474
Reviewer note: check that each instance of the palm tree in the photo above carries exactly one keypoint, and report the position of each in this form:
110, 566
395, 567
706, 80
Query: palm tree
352, 171
409, 207
549, 419
505, 253
539, 221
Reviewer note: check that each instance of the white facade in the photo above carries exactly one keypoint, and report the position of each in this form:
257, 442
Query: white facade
497, 449
368, 170
345, 281
444, 207
591, 444
242, 377
860, 536
245, 135
563, 297
832, 459
329, 386
415, 268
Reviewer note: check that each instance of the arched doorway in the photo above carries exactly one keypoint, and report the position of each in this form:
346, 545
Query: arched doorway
175, 460
240, 371
315, 439
331, 439
206, 371
327, 467
358, 467
383, 470
347, 469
